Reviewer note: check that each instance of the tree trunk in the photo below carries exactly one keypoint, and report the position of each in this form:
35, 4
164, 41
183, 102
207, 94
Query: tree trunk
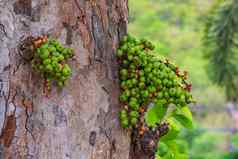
79, 122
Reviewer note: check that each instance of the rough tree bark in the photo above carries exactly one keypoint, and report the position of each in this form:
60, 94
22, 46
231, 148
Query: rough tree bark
80, 122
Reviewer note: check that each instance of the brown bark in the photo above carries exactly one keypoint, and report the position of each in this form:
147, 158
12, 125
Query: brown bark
79, 122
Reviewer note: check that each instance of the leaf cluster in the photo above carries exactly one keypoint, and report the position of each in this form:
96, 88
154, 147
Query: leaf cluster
220, 42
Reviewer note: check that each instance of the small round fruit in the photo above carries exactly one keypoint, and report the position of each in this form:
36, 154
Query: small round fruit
145, 94
134, 114
45, 54
124, 72
123, 98
125, 124
133, 121
46, 61
119, 53
52, 49
49, 68
60, 84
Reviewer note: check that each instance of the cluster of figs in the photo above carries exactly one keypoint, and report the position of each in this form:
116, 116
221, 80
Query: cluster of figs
50, 60
146, 79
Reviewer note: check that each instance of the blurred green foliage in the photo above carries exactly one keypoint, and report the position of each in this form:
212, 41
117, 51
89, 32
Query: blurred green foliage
210, 145
220, 41
207, 146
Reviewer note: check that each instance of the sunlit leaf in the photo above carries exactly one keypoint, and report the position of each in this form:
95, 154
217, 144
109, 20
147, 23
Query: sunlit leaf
155, 114
174, 130
184, 117
171, 150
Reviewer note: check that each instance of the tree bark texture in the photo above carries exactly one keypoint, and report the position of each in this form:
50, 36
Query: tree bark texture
79, 122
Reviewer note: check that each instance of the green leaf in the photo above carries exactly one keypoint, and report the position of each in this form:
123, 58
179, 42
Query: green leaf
155, 114
151, 117
162, 149
184, 117
182, 156
174, 130
171, 150
169, 155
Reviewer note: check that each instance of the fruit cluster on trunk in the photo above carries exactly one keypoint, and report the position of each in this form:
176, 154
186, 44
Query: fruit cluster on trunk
48, 57
145, 79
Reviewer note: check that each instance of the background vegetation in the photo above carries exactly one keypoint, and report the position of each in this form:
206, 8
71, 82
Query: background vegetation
177, 28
